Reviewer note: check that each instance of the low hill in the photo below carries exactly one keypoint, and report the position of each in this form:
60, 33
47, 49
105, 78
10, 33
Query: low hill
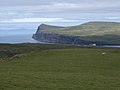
90, 31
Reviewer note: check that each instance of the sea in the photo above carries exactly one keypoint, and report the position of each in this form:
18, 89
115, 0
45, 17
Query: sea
17, 36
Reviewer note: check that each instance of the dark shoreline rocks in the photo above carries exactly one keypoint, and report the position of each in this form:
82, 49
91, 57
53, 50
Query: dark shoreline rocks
62, 39
57, 38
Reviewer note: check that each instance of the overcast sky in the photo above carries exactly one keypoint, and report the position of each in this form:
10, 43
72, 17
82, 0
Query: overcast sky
30, 13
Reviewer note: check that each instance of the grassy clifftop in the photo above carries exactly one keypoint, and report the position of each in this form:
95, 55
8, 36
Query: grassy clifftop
86, 29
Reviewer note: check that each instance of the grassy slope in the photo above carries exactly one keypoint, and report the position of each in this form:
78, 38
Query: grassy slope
110, 39
10, 50
86, 29
62, 69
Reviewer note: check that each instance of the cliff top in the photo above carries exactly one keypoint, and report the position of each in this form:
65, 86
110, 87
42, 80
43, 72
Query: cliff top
85, 29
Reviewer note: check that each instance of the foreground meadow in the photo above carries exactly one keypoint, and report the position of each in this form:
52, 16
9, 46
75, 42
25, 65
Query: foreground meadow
58, 67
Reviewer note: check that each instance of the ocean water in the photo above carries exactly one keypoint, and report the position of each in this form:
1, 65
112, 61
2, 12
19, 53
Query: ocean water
17, 36
113, 46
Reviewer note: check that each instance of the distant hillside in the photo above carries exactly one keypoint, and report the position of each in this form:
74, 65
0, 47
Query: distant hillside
103, 32
86, 29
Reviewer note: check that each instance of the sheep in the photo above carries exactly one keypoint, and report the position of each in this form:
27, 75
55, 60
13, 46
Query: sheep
104, 53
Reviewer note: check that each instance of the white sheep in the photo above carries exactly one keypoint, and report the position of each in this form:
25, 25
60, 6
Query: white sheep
104, 53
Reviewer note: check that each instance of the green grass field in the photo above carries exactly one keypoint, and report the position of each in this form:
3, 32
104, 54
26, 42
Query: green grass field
59, 67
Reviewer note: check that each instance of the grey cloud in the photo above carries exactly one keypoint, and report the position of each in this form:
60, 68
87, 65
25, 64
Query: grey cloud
41, 2
70, 10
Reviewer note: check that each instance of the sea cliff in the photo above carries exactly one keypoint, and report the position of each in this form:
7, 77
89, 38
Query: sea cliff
68, 35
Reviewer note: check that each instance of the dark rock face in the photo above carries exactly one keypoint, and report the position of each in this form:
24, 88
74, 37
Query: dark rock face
57, 38
62, 39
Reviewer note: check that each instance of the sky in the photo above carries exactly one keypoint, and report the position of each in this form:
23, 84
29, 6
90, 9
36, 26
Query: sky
28, 14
